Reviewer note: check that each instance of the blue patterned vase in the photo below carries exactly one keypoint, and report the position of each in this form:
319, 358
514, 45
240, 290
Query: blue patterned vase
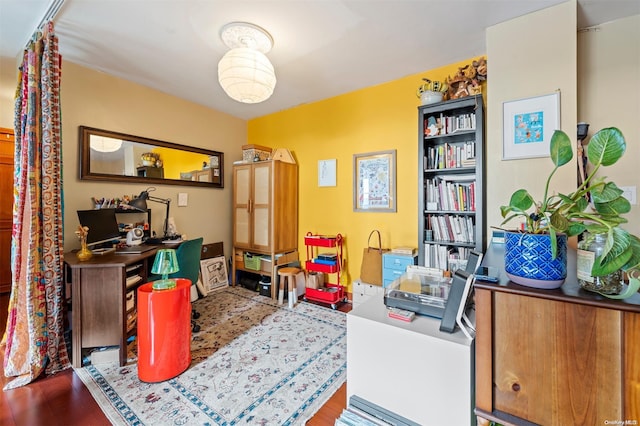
528, 262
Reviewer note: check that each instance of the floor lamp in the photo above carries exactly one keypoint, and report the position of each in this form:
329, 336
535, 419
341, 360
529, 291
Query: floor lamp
140, 203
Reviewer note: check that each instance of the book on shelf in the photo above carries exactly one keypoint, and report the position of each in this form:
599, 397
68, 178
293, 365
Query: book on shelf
452, 228
412, 251
435, 256
456, 193
450, 156
447, 124
446, 258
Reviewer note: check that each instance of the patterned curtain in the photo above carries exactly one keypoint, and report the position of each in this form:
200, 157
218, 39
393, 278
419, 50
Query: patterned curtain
35, 328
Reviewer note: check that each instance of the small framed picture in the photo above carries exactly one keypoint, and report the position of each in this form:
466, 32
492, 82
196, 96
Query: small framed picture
528, 125
214, 274
327, 172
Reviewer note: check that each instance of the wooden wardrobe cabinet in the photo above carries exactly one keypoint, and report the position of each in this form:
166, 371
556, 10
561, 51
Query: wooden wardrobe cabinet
555, 357
265, 212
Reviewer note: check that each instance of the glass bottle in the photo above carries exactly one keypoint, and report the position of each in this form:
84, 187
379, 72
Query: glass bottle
592, 246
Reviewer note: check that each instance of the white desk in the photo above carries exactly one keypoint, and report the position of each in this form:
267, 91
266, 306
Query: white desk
411, 369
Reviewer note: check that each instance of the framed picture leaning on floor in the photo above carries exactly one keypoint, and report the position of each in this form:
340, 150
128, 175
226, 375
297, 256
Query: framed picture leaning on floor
214, 274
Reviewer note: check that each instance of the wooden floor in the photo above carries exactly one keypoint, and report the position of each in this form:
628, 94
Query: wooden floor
64, 400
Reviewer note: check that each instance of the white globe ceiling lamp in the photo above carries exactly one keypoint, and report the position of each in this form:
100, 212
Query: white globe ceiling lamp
103, 144
244, 72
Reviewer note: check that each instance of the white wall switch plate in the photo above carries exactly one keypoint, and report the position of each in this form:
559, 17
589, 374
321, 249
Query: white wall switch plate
630, 194
183, 199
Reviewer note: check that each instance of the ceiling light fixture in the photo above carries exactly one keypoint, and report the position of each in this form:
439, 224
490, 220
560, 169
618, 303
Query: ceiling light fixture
244, 72
104, 144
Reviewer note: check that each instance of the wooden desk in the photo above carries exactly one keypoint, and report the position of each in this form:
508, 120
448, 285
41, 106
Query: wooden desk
103, 305
555, 357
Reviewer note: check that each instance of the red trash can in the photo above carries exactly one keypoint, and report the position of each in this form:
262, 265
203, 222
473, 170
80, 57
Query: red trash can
164, 331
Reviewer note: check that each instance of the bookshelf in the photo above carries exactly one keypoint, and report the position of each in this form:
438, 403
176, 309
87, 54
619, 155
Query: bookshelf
451, 181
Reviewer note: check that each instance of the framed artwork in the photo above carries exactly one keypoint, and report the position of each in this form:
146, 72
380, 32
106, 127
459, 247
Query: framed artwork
213, 273
374, 181
528, 126
327, 172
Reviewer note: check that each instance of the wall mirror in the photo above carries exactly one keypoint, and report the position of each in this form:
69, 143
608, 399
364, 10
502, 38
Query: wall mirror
113, 156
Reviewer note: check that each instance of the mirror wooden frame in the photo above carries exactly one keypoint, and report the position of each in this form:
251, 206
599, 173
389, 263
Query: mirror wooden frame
86, 172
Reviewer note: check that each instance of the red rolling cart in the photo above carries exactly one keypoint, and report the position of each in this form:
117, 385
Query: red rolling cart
328, 261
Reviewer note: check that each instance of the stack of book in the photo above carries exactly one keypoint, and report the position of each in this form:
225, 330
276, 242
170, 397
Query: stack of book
411, 251
326, 259
352, 417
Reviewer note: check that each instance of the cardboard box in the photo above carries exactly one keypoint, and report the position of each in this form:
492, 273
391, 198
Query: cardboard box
265, 264
286, 258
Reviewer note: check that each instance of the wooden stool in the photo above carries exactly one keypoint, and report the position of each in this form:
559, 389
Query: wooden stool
288, 275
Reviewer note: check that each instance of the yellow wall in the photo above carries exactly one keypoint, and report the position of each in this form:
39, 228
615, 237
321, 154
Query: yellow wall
374, 119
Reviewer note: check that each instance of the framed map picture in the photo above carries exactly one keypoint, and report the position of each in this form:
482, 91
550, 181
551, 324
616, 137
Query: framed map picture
374, 182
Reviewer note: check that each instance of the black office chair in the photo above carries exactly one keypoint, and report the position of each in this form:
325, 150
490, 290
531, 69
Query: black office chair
188, 254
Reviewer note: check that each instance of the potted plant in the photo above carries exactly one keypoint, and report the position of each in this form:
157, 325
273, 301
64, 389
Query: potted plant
558, 216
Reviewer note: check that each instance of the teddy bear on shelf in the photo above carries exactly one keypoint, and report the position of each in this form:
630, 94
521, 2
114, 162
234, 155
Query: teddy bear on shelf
480, 66
458, 84
479, 75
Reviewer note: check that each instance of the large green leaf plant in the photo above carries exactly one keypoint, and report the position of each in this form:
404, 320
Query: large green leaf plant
572, 213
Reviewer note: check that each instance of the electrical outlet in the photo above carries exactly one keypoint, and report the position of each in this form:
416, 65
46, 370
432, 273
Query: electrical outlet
629, 192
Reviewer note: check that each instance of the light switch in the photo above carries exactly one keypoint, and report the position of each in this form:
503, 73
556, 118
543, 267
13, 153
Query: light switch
183, 199
629, 192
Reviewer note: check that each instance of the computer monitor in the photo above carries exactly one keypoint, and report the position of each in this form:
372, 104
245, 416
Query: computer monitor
102, 224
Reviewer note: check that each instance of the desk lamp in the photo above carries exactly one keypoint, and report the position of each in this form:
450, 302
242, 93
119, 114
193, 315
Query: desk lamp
165, 263
140, 204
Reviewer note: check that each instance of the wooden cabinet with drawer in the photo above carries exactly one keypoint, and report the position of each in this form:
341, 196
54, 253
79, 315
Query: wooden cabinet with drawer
555, 357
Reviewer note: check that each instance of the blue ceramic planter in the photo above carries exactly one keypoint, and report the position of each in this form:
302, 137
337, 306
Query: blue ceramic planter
528, 260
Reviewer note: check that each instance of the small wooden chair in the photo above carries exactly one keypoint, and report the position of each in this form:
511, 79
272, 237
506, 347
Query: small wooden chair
288, 275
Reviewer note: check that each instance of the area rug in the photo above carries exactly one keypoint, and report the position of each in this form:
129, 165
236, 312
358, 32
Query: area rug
254, 362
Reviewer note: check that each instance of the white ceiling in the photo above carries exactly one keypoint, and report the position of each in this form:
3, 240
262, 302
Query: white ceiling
323, 48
